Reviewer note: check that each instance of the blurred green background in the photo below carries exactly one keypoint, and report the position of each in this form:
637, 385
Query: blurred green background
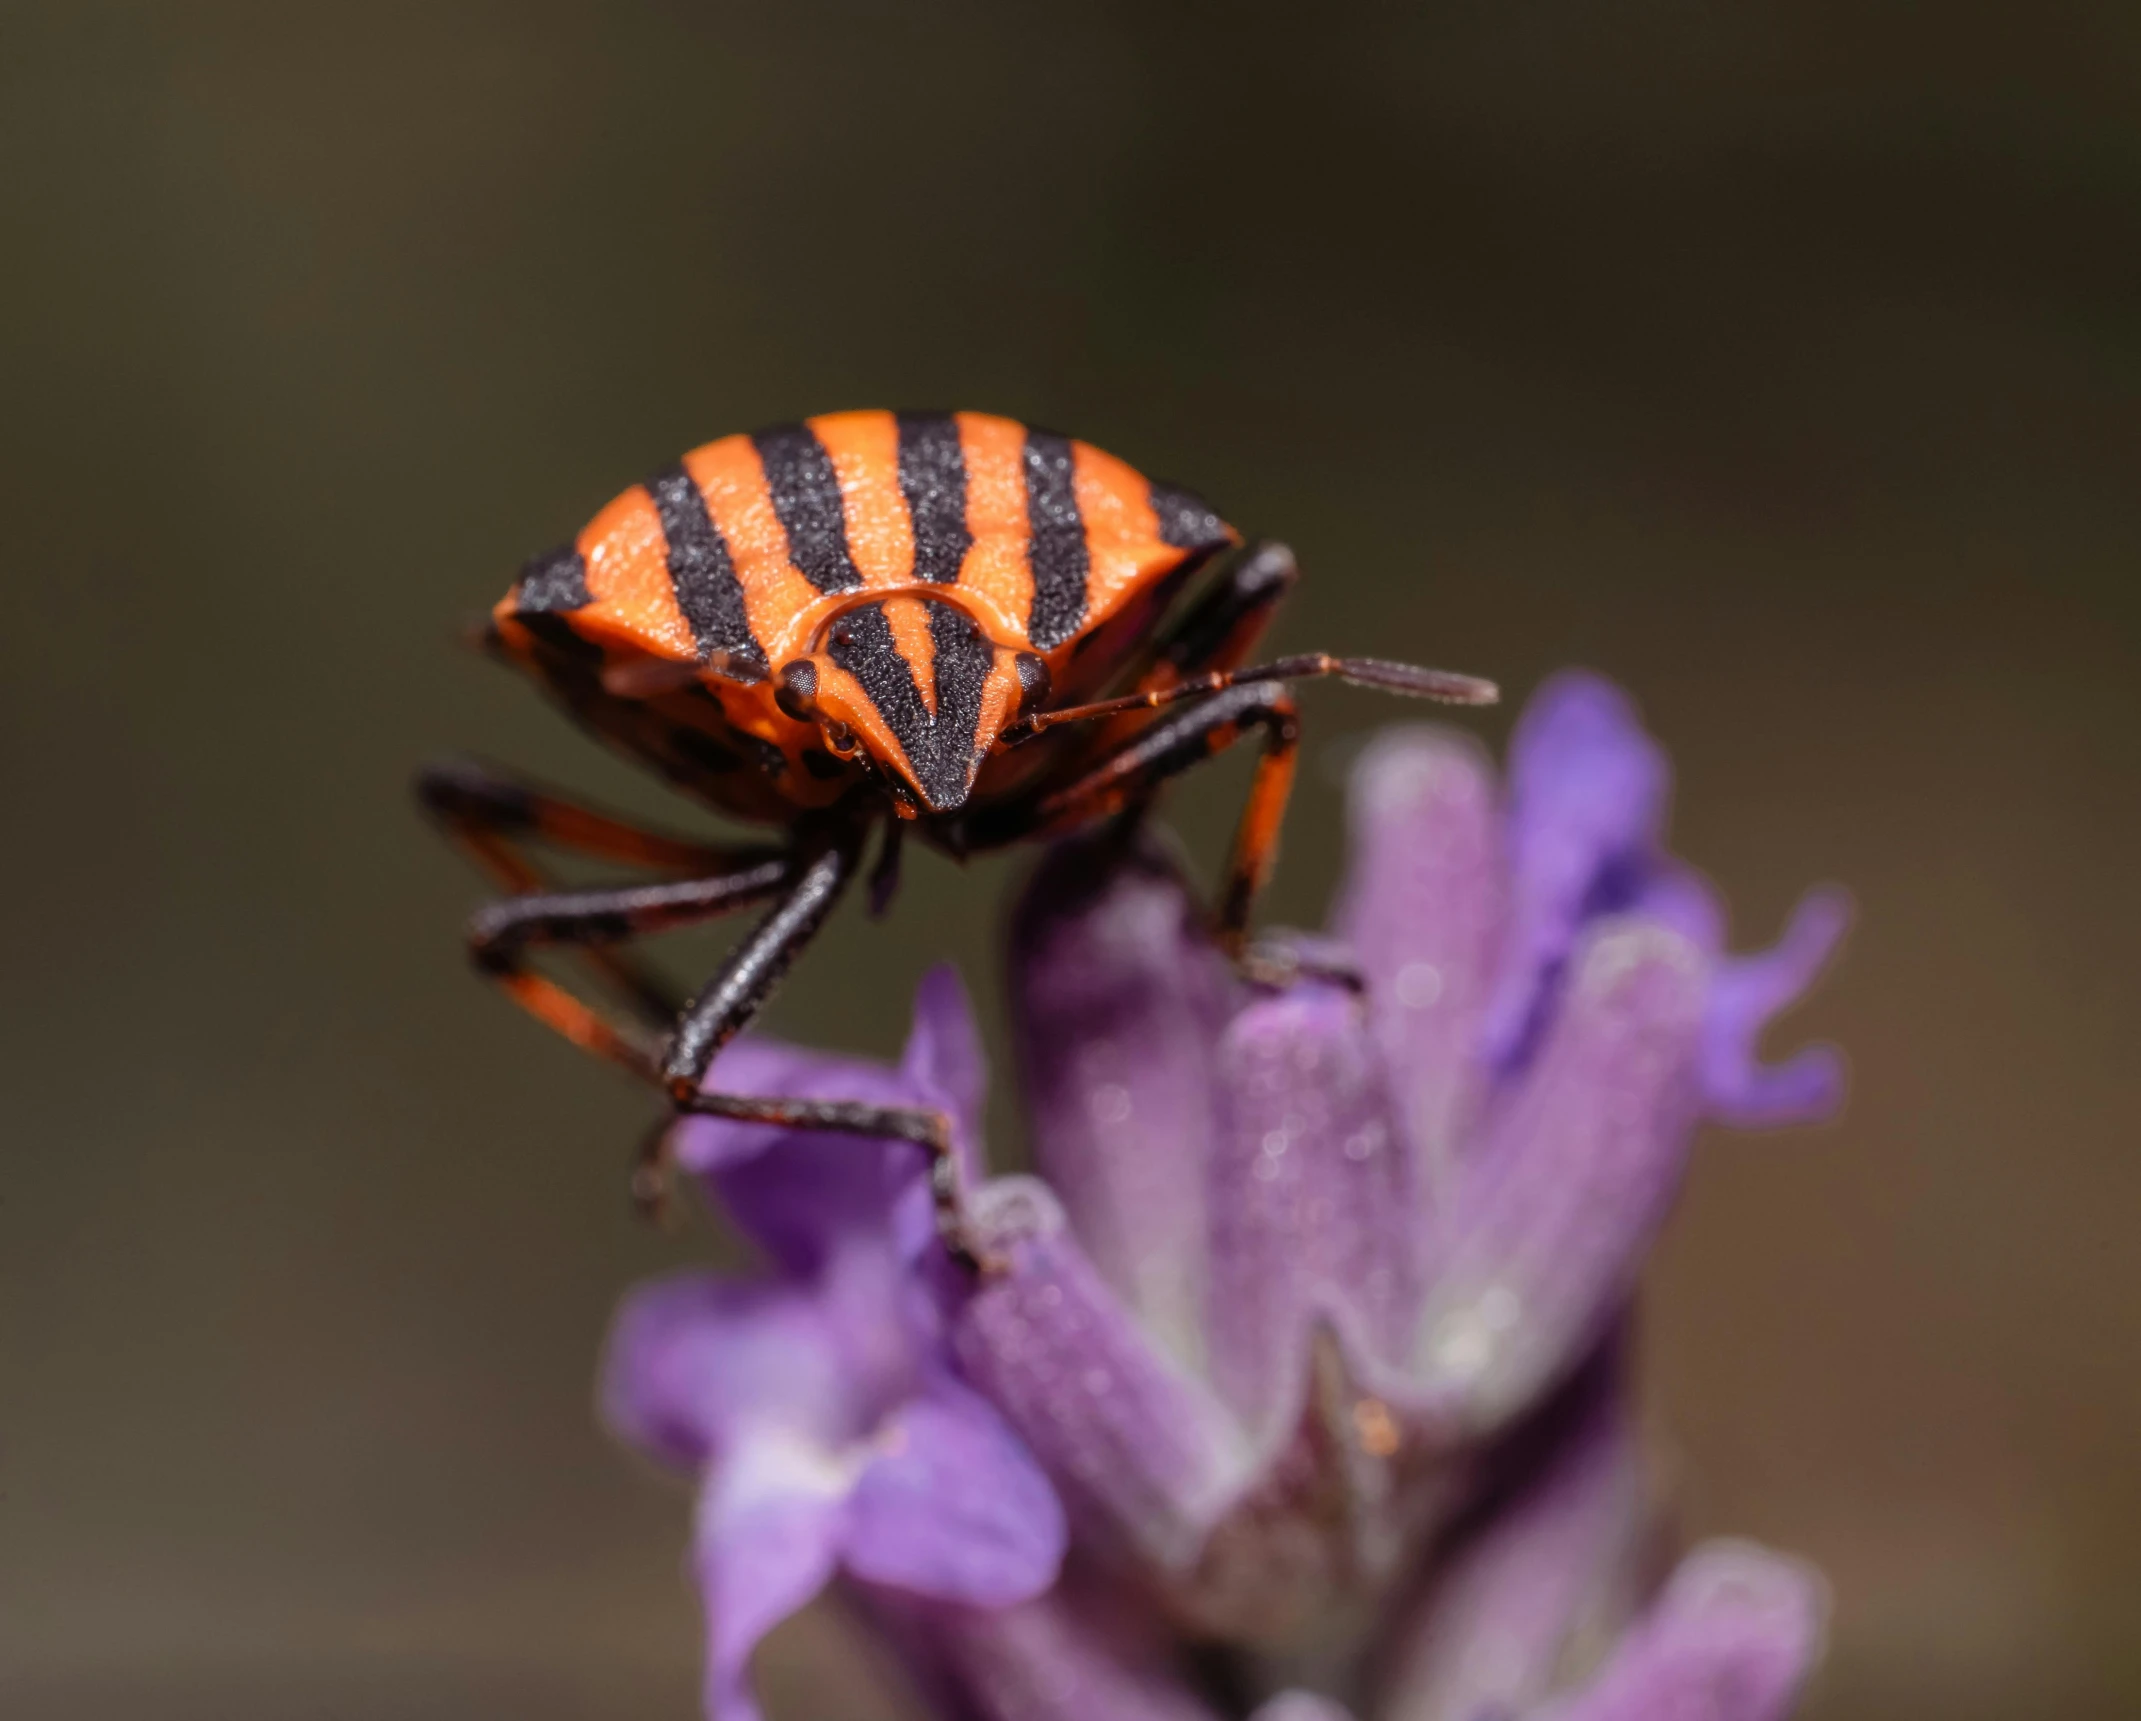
1779, 359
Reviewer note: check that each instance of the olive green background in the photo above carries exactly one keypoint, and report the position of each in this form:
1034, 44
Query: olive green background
1779, 359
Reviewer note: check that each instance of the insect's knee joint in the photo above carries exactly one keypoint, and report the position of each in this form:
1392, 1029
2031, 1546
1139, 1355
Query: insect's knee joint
494, 957
495, 938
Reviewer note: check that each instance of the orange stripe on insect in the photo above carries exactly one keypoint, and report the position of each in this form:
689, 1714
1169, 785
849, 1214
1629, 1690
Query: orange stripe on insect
1114, 500
633, 603
1122, 531
842, 693
996, 573
1000, 696
909, 620
783, 607
864, 449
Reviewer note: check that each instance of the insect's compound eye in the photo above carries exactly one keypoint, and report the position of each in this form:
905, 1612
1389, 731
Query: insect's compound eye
1034, 682
796, 690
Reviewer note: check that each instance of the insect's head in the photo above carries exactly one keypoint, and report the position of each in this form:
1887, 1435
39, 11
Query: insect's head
914, 685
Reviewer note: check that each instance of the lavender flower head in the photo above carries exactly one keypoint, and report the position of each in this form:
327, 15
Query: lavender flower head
1301, 1386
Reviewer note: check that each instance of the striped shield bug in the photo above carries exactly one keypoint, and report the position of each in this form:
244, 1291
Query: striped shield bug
949, 623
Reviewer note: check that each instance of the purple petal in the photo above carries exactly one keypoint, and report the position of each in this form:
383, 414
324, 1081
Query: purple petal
953, 1506
1316, 1207
884, 1319
1578, 1168
1078, 1653
1421, 909
1748, 990
764, 1546
1301, 1706
693, 1360
796, 1193
1117, 1003
944, 1062
1143, 1453
1587, 798
1731, 1638
1676, 895
1563, 1563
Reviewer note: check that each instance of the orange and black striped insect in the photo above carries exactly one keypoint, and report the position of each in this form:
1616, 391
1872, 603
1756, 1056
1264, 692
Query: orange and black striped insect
945, 621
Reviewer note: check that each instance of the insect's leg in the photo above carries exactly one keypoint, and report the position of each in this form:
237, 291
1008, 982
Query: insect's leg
885, 875
756, 966
491, 813
737, 994
503, 934
1213, 629
1219, 626
930, 1130
1402, 678
1171, 746
493, 818
1200, 651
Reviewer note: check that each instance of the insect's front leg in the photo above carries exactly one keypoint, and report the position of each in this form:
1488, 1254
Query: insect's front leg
1221, 624
1128, 776
730, 1002
929, 1130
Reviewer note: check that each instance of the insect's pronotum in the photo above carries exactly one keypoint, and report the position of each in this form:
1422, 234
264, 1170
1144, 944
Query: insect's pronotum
948, 621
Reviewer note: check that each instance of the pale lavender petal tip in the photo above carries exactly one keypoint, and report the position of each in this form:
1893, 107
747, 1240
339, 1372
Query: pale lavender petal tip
1316, 1206
952, 1506
1573, 1178
1301, 1706
1145, 1454
1678, 896
1738, 1088
1732, 1637
1586, 803
1421, 908
1118, 1000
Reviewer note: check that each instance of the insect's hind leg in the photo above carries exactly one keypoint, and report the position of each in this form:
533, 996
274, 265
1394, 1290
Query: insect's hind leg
503, 935
477, 805
730, 1002
494, 818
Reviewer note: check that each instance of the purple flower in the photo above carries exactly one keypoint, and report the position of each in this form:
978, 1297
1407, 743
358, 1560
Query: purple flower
1314, 1312
816, 1405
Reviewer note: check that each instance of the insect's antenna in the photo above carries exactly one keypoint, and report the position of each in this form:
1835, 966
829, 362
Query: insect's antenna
1406, 679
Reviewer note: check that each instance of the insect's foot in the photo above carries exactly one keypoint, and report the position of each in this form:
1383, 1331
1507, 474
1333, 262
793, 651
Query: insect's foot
652, 1198
955, 1223
1273, 965
653, 1186
972, 1259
